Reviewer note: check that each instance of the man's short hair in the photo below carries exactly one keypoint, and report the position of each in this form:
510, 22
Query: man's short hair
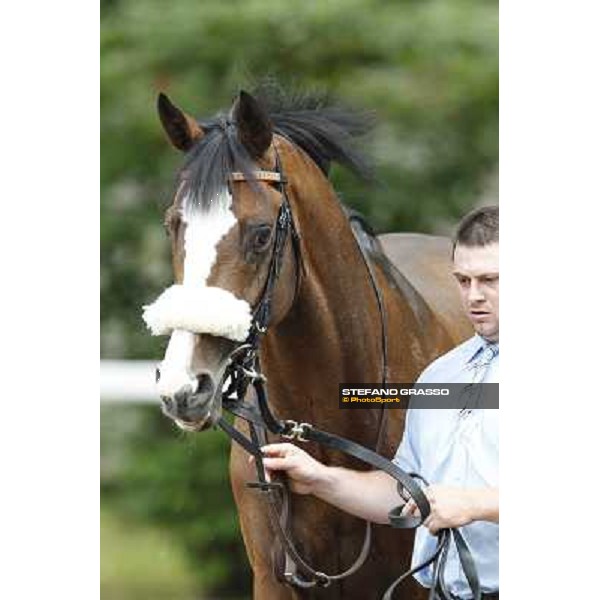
478, 228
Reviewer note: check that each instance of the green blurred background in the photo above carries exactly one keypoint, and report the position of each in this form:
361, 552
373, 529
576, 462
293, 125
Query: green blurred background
429, 70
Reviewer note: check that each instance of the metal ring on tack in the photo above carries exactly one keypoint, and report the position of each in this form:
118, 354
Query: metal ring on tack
323, 580
254, 375
238, 350
296, 431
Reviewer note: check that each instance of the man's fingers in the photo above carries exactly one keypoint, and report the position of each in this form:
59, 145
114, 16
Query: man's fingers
276, 463
408, 509
411, 509
275, 450
432, 525
283, 449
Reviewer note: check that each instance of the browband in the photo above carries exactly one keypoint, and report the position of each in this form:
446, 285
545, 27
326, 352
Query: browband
258, 175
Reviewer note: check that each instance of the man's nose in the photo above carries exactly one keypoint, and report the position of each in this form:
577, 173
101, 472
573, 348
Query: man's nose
475, 292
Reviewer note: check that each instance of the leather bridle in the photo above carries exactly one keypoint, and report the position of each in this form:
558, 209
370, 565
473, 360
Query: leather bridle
243, 370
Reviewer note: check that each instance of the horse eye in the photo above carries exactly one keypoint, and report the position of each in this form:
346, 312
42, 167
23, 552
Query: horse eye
261, 238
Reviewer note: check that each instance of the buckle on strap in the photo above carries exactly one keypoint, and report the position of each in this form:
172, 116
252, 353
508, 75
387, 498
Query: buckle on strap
265, 486
320, 579
295, 431
252, 374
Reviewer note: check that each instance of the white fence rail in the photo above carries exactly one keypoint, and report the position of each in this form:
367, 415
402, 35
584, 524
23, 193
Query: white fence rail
130, 381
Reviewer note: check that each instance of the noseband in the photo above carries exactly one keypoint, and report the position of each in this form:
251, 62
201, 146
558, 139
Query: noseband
243, 370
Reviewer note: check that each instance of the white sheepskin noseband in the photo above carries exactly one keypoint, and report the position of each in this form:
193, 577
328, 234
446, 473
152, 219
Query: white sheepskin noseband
199, 309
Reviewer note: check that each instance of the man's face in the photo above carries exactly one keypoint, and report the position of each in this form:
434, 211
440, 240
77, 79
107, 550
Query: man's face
476, 270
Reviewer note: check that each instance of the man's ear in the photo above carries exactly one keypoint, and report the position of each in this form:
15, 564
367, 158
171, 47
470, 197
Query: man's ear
183, 131
254, 126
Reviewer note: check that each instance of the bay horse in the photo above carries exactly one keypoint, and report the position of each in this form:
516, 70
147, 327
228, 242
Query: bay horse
336, 285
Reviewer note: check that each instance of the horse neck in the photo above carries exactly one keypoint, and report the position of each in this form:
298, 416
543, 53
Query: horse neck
332, 333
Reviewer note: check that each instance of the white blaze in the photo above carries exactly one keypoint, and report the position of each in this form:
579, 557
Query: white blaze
175, 370
193, 307
204, 230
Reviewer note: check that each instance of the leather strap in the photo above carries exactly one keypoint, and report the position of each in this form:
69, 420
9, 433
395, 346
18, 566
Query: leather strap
258, 175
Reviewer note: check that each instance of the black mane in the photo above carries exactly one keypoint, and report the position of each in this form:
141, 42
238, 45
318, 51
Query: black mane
325, 131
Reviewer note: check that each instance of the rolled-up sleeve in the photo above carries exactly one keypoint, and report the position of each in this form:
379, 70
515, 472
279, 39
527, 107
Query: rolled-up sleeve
408, 453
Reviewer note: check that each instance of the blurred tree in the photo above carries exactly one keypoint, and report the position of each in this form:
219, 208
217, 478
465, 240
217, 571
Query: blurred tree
429, 68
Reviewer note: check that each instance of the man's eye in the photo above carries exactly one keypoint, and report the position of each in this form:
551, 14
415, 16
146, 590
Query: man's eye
261, 238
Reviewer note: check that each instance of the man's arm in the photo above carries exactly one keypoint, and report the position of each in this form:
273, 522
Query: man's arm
486, 504
369, 495
366, 494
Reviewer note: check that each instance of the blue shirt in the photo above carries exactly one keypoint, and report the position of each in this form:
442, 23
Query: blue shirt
447, 447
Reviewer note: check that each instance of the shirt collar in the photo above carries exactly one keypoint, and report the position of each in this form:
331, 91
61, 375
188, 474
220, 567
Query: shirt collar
477, 347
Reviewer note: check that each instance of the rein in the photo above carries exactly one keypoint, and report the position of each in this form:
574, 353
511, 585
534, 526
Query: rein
243, 370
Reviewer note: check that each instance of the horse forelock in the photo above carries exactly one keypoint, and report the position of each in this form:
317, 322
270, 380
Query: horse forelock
325, 132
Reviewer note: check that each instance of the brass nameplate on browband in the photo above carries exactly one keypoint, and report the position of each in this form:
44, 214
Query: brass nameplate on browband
258, 175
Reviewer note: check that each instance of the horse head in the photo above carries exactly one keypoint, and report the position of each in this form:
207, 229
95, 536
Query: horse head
223, 226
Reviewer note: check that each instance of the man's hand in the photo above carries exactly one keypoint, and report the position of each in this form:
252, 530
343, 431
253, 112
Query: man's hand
369, 495
304, 472
455, 506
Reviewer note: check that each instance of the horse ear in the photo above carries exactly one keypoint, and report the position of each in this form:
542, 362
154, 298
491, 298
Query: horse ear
254, 126
183, 130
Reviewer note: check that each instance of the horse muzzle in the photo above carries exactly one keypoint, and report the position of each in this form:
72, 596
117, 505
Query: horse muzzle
194, 409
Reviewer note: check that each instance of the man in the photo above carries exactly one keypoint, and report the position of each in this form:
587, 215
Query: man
455, 450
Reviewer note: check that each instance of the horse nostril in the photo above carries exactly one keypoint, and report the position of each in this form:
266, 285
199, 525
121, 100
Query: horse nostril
190, 400
205, 384
157, 375
182, 396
